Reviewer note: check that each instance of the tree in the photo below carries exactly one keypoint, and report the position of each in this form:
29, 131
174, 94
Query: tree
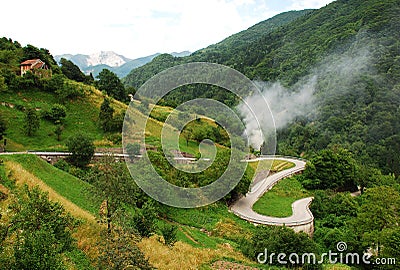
391, 246
145, 219
69, 91
32, 122
81, 148
368, 177
118, 251
58, 131
106, 115
380, 210
187, 134
56, 82
111, 84
57, 113
36, 251
377, 220
168, 232
3, 85
3, 126
113, 183
42, 231
277, 239
331, 169
31, 52
71, 71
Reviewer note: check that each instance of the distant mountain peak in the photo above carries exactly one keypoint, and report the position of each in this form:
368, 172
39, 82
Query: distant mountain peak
117, 63
108, 58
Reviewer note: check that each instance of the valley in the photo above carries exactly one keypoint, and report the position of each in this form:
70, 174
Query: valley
80, 144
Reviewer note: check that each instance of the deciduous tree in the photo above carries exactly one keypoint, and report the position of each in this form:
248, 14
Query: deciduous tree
111, 84
81, 148
32, 122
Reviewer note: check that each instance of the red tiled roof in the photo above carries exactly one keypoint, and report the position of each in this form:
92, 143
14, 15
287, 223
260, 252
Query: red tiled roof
30, 62
38, 65
33, 63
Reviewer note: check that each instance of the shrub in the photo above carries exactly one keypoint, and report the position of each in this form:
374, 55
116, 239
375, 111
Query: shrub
62, 165
81, 148
57, 113
168, 231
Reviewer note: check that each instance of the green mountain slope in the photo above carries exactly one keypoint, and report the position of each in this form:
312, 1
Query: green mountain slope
351, 47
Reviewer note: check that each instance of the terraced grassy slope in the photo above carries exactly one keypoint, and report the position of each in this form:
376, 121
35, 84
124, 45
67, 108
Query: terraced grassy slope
33, 171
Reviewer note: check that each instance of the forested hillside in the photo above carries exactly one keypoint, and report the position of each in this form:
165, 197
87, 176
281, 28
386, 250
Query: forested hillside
357, 109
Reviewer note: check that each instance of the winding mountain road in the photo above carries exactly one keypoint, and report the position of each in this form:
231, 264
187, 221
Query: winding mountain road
301, 213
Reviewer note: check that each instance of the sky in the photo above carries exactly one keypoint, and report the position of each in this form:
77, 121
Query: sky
135, 28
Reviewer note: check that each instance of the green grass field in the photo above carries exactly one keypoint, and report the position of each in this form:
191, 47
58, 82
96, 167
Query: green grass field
277, 202
66, 185
81, 117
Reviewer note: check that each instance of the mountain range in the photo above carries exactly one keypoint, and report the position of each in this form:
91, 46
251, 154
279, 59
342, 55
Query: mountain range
119, 64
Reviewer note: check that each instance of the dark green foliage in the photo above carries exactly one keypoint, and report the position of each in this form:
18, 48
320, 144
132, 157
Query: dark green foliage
68, 92
168, 232
111, 84
57, 113
62, 165
328, 204
368, 221
391, 246
330, 169
368, 177
9, 44
118, 251
140, 75
53, 84
380, 209
81, 148
145, 220
58, 131
3, 126
206, 177
32, 121
42, 231
71, 71
106, 115
3, 85
112, 182
36, 251
277, 239
110, 122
